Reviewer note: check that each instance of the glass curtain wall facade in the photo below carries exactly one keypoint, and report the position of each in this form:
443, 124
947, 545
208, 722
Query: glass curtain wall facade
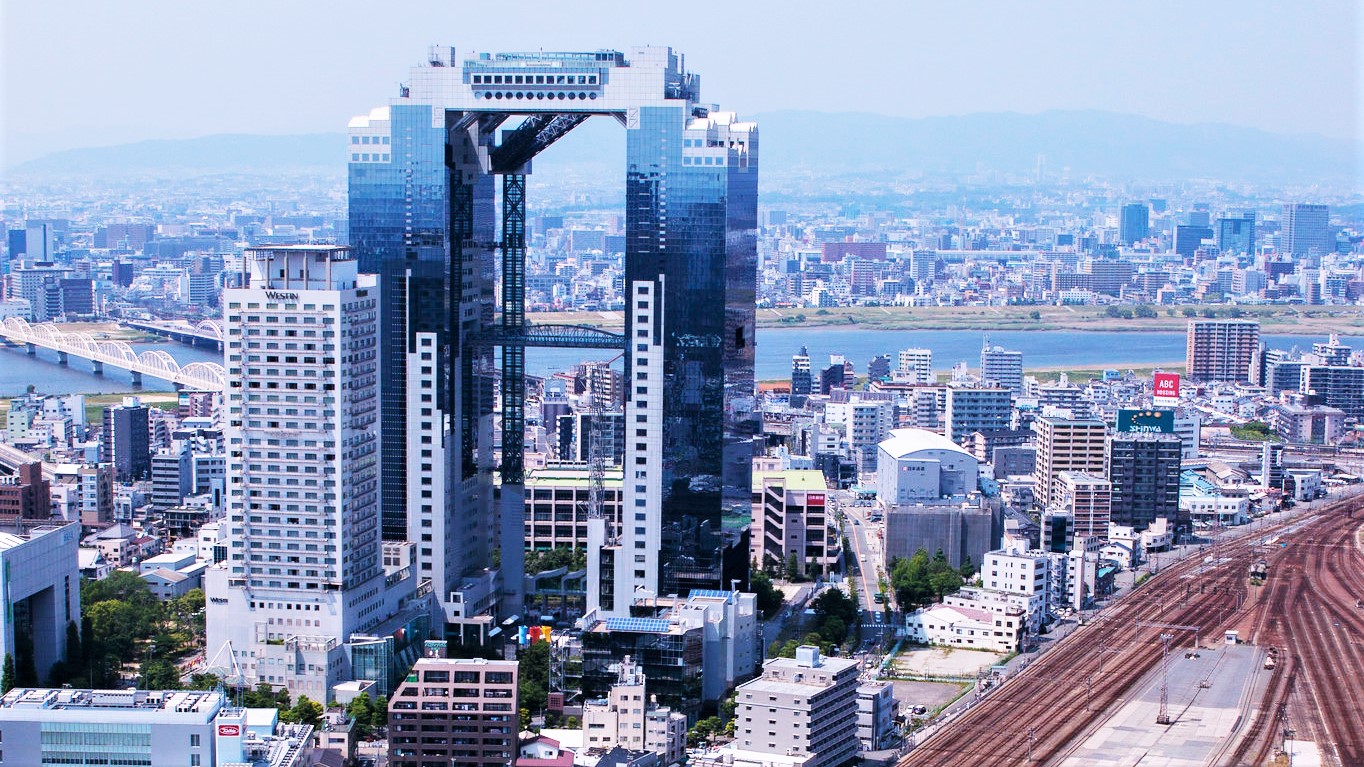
423, 216
691, 225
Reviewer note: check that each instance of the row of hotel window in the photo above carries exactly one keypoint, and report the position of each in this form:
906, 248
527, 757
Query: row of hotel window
535, 79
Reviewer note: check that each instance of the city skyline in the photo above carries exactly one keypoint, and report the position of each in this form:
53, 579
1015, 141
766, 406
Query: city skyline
1062, 56
473, 445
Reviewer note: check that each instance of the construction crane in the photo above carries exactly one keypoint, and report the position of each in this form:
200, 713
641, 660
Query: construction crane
597, 447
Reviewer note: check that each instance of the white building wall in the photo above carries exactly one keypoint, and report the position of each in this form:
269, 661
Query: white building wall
637, 564
302, 528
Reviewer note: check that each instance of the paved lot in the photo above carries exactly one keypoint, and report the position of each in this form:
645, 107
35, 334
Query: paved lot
1203, 717
928, 694
938, 661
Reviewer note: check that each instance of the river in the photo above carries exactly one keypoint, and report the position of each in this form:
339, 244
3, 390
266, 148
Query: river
18, 371
1041, 349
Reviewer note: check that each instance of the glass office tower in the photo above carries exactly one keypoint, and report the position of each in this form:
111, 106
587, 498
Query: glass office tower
691, 222
424, 216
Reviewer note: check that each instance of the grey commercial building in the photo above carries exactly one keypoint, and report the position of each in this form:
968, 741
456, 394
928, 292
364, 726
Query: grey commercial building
126, 439
1221, 350
145, 728
1134, 223
1305, 229
960, 530
40, 581
1336, 386
973, 409
1144, 471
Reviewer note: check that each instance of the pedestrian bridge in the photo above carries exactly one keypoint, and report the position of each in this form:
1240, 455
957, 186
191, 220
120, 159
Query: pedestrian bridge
200, 376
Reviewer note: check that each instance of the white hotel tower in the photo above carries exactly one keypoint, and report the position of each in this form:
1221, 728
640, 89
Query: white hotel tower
304, 569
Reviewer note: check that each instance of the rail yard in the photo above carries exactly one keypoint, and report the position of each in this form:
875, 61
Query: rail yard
1293, 589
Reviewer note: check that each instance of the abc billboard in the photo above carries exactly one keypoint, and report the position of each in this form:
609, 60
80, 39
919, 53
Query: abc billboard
1146, 421
1166, 387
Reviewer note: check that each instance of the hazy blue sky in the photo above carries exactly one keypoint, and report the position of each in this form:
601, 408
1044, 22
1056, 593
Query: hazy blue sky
86, 73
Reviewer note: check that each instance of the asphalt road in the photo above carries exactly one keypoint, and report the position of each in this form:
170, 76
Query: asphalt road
866, 548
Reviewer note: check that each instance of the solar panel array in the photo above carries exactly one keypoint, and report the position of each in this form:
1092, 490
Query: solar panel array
717, 594
640, 625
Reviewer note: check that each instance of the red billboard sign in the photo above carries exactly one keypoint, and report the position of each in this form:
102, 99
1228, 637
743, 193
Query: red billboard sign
1167, 385
229, 730
814, 499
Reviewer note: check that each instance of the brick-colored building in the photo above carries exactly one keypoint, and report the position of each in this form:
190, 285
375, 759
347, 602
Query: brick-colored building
25, 494
452, 711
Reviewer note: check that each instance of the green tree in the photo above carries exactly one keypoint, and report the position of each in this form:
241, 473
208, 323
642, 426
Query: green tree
75, 654
549, 559
533, 671
833, 603
909, 579
1145, 312
525, 718
1189, 311
968, 568
704, 730
793, 567
264, 695
728, 706
378, 712
360, 709
1034, 314
204, 681
160, 674
945, 583
833, 630
7, 676
306, 711
770, 598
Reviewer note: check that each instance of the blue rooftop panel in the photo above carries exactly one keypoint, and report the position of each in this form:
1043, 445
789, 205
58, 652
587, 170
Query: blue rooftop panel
639, 625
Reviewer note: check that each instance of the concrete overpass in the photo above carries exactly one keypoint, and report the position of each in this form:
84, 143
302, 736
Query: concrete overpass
200, 376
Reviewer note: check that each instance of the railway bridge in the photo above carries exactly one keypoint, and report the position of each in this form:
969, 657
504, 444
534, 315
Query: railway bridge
200, 376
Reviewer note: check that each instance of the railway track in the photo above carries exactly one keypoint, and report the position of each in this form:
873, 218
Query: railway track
1034, 717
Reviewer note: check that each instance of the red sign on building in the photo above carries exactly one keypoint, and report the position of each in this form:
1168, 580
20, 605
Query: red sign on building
1167, 385
229, 730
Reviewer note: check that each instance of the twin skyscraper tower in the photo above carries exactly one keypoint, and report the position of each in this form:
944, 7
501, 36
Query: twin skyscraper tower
376, 393
437, 182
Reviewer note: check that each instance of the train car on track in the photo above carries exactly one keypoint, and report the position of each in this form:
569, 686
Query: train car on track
1259, 570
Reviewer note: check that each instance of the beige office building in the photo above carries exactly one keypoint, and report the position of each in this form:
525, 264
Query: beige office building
802, 706
630, 718
557, 505
790, 520
1066, 444
1221, 350
1089, 500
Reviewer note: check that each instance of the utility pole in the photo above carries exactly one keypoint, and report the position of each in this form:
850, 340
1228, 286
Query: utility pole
1032, 738
1164, 716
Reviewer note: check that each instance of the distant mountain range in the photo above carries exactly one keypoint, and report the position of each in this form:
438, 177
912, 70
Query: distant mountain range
1103, 144
222, 153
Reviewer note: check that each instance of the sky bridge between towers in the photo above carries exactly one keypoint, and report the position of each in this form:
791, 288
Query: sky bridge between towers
428, 215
